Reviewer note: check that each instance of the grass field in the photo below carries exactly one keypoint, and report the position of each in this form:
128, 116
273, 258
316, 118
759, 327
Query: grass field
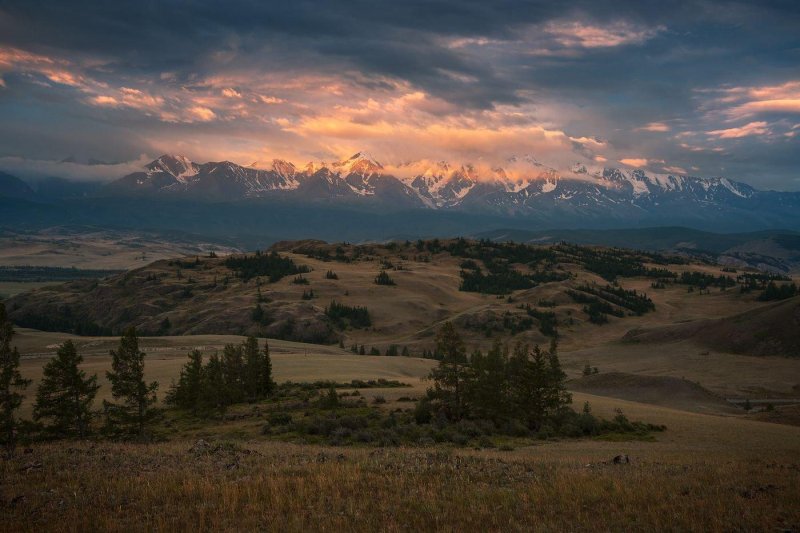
709, 472
705, 473
715, 468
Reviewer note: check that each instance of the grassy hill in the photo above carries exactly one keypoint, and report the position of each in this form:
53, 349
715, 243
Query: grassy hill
772, 329
490, 290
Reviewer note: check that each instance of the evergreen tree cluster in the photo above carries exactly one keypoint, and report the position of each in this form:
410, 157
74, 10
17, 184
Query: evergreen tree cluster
526, 386
703, 280
610, 300
62, 319
548, 323
774, 291
383, 278
270, 265
64, 397
608, 263
243, 373
345, 315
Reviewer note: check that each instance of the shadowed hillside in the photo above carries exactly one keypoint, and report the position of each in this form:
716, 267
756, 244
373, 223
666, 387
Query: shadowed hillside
658, 390
772, 329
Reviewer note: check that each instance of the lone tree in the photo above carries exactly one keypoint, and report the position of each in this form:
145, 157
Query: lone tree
136, 398
65, 395
11, 383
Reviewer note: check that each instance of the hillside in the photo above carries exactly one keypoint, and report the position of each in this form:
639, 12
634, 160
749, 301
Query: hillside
772, 250
489, 290
658, 390
772, 329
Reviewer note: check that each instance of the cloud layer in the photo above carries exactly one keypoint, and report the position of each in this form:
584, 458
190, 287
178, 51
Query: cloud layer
699, 87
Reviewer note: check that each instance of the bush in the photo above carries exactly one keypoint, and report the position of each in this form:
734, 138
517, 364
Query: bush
545, 432
279, 419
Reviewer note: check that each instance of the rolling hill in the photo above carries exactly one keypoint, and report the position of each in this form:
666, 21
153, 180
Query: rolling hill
772, 329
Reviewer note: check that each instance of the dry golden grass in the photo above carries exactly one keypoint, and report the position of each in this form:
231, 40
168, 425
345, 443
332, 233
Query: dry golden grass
705, 473
283, 487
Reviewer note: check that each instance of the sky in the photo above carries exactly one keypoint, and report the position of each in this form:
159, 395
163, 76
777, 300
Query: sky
705, 88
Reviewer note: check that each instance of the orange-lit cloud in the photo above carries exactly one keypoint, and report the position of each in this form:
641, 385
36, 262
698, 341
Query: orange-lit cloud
753, 128
743, 102
578, 34
634, 161
655, 126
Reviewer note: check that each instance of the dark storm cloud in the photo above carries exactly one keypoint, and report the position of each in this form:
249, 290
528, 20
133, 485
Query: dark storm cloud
587, 68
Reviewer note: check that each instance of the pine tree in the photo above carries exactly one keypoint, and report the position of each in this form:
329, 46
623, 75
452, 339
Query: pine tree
234, 372
487, 391
253, 363
65, 394
450, 375
135, 410
536, 384
267, 383
11, 383
186, 393
214, 390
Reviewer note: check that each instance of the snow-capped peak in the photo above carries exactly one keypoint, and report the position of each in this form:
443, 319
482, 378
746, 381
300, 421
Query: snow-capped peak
283, 168
358, 163
177, 165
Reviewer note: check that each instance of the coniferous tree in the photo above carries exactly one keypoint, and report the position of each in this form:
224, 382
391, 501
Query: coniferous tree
451, 374
253, 367
258, 382
65, 395
11, 384
136, 397
487, 391
234, 372
186, 393
536, 384
267, 383
214, 392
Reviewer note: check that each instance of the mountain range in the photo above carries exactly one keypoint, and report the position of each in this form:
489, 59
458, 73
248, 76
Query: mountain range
524, 189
